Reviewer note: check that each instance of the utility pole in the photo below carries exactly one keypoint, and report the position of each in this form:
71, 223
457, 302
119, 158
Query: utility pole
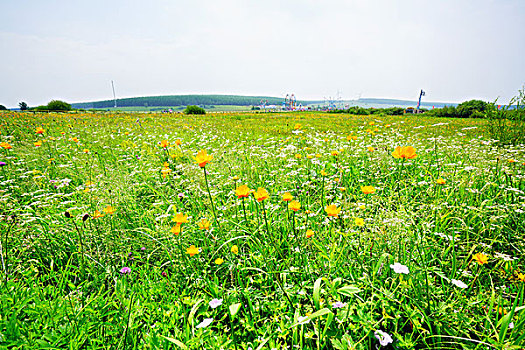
114, 96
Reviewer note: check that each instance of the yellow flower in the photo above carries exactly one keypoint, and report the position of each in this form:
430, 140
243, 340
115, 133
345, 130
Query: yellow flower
368, 189
359, 221
192, 250
335, 153
332, 210
74, 139
323, 173
521, 276
38, 143
242, 191
109, 210
164, 143
180, 218
512, 161
86, 151
294, 205
97, 214
297, 126
370, 149
178, 142
202, 158
176, 229
235, 178
235, 250
165, 172
261, 194
440, 181
480, 258
298, 156
204, 224
39, 130
309, 233
219, 261
5, 145
404, 152
287, 197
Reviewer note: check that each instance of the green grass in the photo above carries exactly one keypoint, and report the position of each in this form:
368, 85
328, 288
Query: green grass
61, 284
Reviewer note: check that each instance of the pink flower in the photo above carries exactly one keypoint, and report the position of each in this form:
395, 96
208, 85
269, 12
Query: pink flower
125, 270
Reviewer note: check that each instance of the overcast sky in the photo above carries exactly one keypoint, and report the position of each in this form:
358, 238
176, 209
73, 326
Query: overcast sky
71, 50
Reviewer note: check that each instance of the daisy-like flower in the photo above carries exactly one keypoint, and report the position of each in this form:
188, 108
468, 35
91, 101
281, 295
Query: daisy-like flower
219, 261
309, 233
204, 224
235, 250
458, 283
440, 181
39, 130
242, 191
404, 152
109, 210
399, 268
383, 337
192, 250
480, 258
205, 323
180, 218
368, 189
215, 303
164, 143
287, 197
359, 221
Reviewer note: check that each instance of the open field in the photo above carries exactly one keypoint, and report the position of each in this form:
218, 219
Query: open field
113, 236
218, 108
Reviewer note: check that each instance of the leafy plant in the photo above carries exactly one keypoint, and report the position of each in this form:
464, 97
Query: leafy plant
194, 110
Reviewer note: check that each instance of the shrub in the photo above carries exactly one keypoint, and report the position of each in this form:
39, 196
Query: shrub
194, 110
57, 105
3, 108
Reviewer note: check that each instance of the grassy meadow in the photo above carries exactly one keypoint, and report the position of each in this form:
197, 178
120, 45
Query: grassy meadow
259, 231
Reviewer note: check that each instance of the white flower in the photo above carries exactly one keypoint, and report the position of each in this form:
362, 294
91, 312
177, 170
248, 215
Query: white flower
215, 303
458, 283
384, 338
398, 268
205, 323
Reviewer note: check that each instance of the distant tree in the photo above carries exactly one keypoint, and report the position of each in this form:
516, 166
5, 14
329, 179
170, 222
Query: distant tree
57, 105
194, 110
23, 106
2, 108
471, 108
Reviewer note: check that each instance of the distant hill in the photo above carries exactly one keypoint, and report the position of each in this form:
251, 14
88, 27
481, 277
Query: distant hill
184, 100
207, 101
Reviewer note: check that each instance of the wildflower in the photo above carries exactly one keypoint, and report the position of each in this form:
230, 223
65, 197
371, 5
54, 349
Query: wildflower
125, 270
440, 181
404, 152
202, 158
39, 130
323, 173
359, 221
97, 214
3, 163
287, 197
86, 151
5, 145
192, 250
164, 143
383, 337
480, 258
235, 250
219, 261
335, 153
38, 143
165, 172
204, 224
294, 205
205, 323
242, 191
368, 189
512, 160
215, 303
298, 156
338, 305
297, 126
180, 218
74, 139
178, 142
521, 276
399, 268
458, 283
332, 210
109, 210
176, 229
309, 233
235, 178
261, 194
370, 149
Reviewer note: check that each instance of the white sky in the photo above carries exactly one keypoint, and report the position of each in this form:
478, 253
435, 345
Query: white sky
453, 49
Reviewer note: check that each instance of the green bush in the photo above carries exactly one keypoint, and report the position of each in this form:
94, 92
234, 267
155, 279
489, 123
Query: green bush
57, 105
3, 108
194, 110
507, 124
